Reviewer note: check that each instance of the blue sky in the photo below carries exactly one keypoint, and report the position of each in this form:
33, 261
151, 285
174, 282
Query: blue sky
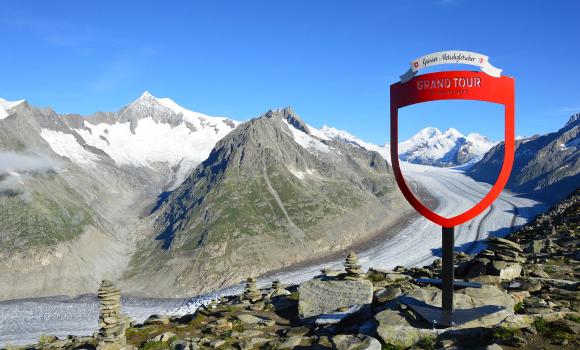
332, 61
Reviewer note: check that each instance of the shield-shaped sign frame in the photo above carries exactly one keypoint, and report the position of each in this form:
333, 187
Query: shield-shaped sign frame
455, 85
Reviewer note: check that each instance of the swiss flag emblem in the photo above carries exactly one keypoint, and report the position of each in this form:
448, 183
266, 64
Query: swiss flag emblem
415, 64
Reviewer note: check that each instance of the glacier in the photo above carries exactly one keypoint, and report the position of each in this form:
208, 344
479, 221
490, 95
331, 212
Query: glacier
414, 244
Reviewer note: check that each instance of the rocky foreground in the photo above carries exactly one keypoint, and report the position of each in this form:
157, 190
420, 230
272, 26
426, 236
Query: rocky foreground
532, 276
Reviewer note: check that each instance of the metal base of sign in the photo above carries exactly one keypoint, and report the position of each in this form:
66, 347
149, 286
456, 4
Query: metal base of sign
456, 284
447, 315
440, 317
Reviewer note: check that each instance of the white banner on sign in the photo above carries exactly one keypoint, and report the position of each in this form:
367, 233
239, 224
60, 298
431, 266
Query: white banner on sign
451, 57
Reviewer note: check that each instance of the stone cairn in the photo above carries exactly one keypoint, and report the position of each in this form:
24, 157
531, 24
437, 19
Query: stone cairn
251, 292
277, 285
352, 268
278, 289
502, 258
112, 326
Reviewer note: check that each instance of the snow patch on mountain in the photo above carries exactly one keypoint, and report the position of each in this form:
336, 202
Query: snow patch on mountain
307, 141
152, 142
318, 133
6, 106
150, 130
328, 132
65, 145
573, 143
301, 174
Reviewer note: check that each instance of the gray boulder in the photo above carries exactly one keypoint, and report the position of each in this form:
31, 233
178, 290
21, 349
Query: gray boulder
355, 342
318, 297
249, 319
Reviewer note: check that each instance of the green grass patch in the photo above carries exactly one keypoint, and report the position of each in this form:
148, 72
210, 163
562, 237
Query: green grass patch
227, 309
505, 334
391, 347
154, 345
552, 330
198, 321
139, 335
43, 220
294, 296
574, 318
427, 343
238, 326
375, 276
519, 307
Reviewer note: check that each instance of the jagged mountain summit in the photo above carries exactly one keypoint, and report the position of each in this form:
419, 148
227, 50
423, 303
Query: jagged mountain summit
547, 165
271, 193
430, 146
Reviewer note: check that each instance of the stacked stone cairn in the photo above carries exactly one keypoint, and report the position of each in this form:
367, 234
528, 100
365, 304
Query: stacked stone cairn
278, 289
352, 267
251, 292
277, 285
503, 258
111, 322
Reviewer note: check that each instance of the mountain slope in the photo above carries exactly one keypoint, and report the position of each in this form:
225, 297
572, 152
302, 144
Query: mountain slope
547, 166
430, 146
73, 190
55, 237
271, 193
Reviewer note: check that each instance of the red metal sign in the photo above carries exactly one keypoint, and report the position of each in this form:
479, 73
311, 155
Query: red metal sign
454, 85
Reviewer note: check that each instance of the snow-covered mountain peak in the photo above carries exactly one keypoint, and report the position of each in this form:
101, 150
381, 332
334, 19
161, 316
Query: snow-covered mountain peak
148, 132
451, 147
473, 136
6, 106
146, 94
452, 133
147, 99
166, 110
426, 133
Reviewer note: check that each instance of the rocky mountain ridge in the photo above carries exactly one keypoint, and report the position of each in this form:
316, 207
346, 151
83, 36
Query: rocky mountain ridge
271, 193
87, 200
546, 166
